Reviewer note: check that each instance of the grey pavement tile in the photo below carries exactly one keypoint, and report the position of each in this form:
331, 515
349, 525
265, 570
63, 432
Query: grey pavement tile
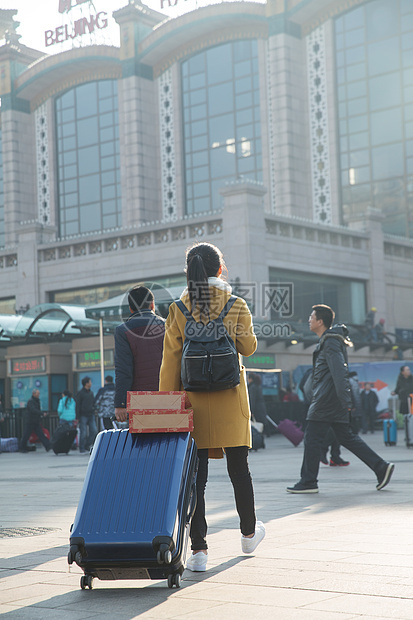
368, 606
247, 594
11, 612
229, 611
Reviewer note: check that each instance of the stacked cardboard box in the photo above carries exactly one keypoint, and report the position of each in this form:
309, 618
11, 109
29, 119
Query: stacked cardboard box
159, 412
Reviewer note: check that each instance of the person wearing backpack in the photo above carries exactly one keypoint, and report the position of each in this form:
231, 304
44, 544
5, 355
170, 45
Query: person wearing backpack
205, 332
104, 404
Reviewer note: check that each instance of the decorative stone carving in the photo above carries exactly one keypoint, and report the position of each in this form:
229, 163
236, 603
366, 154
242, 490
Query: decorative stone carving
166, 111
320, 157
42, 152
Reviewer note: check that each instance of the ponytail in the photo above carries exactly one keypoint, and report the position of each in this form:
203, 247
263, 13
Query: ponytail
203, 260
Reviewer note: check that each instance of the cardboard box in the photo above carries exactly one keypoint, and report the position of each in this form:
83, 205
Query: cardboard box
159, 412
139, 401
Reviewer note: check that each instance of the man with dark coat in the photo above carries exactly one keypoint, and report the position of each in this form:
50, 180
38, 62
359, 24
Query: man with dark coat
85, 413
331, 404
369, 402
34, 415
138, 349
403, 389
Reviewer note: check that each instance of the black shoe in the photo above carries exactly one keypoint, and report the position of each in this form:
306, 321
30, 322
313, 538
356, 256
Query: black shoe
303, 488
339, 462
384, 477
324, 459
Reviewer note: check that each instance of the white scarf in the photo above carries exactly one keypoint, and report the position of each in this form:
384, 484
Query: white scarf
217, 283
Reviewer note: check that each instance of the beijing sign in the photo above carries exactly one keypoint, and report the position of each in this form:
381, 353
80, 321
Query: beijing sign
83, 25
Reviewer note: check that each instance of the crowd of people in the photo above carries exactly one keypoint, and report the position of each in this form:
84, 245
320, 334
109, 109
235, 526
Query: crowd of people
149, 354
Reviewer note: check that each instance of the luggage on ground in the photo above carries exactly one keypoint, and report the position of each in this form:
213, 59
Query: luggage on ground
9, 444
291, 430
63, 438
257, 436
136, 504
390, 432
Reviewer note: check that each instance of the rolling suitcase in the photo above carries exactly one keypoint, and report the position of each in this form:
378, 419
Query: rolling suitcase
290, 430
63, 438
135, 507
257, 438
390, 432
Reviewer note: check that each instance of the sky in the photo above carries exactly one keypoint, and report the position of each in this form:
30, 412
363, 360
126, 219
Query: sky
38, 16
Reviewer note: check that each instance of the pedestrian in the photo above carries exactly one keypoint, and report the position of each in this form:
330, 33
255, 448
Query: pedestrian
357, 410
290, 396
105, 404
257, 402
66, 408
331, 404
371, 333
369, 402
221, 419
138, 349
403, 389
34, 416
85, 413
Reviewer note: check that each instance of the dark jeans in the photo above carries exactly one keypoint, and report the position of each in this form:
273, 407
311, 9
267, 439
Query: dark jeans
86, 440
239, 473
34, 427
314, 440
368, 420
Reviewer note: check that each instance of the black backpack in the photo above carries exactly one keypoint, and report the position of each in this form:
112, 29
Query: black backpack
209, 358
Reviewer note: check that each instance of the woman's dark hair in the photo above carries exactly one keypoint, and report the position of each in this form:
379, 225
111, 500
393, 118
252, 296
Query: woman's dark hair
203, 261
68, 395
256, 379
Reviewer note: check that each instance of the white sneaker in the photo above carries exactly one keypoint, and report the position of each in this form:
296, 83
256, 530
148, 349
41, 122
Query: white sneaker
197, 562
250, 544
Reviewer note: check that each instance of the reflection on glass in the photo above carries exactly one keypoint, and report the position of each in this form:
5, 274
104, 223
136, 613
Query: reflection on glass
222, 142
88, 158
374, 55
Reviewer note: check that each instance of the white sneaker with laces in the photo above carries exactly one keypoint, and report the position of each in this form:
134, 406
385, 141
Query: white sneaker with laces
250, 544
197, 562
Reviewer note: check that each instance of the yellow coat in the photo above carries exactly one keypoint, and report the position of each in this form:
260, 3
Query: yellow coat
221, 419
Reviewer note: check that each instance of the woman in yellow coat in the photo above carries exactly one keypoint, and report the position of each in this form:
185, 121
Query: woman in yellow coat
221, 419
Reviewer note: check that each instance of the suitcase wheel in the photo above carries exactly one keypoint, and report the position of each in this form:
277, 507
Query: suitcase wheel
174, 579
164, 556
86, 581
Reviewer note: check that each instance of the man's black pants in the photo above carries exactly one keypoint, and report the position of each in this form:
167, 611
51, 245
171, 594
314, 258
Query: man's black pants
314, 441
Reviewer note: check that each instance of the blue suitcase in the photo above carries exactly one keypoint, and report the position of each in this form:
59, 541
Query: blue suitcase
390, 432
135, 507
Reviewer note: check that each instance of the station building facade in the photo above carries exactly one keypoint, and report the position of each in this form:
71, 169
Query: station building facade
280, 131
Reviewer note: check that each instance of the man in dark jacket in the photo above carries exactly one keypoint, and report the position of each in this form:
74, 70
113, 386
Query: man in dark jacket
104, 403
331, 404
34, 415
403, 389
85, 413
138, 349
369, 402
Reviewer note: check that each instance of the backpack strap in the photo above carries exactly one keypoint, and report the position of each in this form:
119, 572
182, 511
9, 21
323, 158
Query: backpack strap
227, 306
180, 304
223, 313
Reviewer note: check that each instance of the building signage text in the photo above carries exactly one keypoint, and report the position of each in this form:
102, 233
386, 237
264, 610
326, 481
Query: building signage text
28, 365
77, 28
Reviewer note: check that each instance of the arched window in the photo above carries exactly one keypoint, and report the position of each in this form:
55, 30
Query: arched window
88, 158
374, 58
221, 118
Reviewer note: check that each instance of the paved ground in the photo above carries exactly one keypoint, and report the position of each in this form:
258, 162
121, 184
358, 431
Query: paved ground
345, 553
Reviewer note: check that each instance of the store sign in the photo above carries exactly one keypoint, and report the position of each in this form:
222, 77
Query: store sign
91, 359
27, 365
261, 361
84, 25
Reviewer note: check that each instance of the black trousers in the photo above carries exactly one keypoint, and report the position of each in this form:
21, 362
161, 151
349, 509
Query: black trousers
239, 473
34, 427
314, 440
